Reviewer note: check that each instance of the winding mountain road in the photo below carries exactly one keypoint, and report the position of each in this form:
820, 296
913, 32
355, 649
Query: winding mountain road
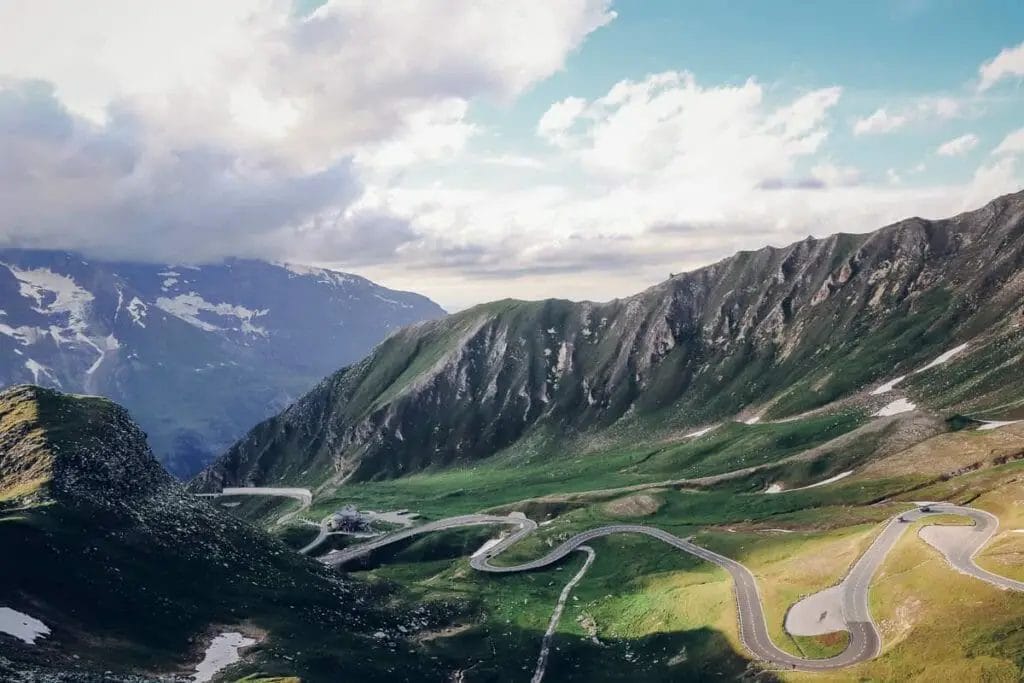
304, 496
959, 550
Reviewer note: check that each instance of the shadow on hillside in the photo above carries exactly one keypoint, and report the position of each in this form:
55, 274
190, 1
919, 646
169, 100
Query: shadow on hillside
509, 655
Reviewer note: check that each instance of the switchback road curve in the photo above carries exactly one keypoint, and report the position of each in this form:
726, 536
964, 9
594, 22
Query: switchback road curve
864, 643
304, 496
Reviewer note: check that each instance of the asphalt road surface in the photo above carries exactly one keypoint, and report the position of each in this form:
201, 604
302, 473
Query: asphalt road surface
960, 549
865, 642
304, 496
321, 536
336, 558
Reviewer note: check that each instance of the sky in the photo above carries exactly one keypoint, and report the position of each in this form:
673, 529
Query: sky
472, 150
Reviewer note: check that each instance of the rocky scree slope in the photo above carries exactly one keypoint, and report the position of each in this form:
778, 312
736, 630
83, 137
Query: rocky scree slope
771, 333
198, 354
133, 575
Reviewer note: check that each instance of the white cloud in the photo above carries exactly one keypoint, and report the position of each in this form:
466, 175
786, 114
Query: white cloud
598, 242
427, 134
834, 175
251, 109
1012, 143
559, 118
512, 161
407, 56
114, 190
250, 73
1007, 64
107, 50
194, 131
717, 138
881, 121
992, 180
942, 107
958, 146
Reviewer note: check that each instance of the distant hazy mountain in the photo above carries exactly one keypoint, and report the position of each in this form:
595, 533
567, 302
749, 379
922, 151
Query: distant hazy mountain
197, 354
770, 333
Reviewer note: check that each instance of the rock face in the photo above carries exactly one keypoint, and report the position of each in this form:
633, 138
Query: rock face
773, 332
198, 355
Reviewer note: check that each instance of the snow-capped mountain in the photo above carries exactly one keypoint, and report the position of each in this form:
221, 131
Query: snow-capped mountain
197, 353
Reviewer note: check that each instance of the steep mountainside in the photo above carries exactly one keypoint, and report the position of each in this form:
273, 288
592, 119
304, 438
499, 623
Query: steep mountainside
771, 333
129, 573
198, 354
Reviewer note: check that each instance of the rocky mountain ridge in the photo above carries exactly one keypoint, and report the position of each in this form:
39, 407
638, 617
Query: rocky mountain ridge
773, 333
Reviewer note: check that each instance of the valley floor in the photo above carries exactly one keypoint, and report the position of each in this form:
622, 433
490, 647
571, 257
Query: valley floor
648, 613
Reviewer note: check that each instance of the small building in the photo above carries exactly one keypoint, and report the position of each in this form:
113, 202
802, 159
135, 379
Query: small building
348, 519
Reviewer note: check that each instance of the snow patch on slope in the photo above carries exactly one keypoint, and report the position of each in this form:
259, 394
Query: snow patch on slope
68, 299
170, 279
777, 488
888, 386
393, 302
898, 406
138, 310
223, 652
20, 625
24, 334
105, 345
37, 284
944, 358
188, 307
996, 424
37, 369
322, 275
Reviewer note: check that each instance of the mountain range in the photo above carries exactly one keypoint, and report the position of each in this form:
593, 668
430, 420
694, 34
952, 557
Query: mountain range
198, 354
768, 334
782, 408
